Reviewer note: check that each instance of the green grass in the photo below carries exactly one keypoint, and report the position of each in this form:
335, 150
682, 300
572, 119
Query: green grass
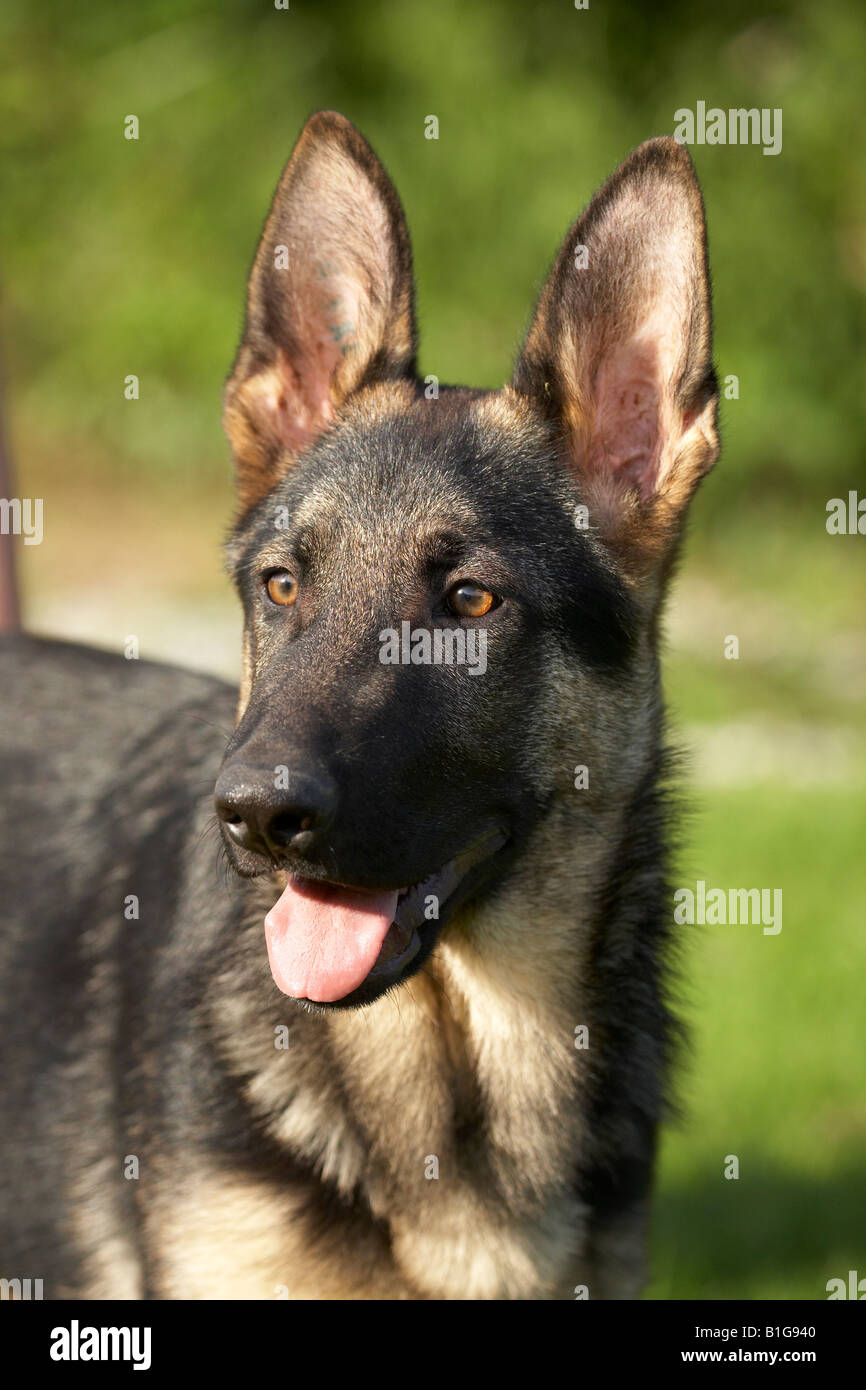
775, 1069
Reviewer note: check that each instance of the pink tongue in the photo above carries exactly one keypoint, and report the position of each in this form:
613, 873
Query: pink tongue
323, 941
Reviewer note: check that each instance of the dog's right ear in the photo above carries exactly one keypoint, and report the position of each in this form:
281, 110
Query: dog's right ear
329, 306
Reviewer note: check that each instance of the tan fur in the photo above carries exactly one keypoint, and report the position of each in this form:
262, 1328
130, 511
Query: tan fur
247, 672
111, 1264
229, 1237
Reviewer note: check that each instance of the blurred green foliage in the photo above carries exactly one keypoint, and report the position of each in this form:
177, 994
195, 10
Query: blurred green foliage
774, 1074
124, 256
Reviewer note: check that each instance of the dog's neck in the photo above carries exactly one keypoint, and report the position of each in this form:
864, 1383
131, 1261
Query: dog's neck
453, 1106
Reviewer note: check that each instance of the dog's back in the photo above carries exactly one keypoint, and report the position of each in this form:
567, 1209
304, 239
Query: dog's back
106, 766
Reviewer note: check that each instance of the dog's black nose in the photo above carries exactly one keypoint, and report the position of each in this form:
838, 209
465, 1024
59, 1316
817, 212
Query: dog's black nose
269, 812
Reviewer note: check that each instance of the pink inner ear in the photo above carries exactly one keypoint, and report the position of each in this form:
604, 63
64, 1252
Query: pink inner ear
297, 400
299, 396
632, 415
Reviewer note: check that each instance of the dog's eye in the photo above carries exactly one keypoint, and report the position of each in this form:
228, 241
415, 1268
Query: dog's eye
282, 588
468, 600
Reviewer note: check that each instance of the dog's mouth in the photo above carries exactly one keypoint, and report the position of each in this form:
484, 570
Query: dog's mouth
329, 943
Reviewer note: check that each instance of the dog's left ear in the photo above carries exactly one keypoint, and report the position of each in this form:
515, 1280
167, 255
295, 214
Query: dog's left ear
329, 306
620, 355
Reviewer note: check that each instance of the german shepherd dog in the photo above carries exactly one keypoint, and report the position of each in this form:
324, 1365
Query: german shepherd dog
438, 1070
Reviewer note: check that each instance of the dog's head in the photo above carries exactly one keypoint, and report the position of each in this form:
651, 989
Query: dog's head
450, 595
